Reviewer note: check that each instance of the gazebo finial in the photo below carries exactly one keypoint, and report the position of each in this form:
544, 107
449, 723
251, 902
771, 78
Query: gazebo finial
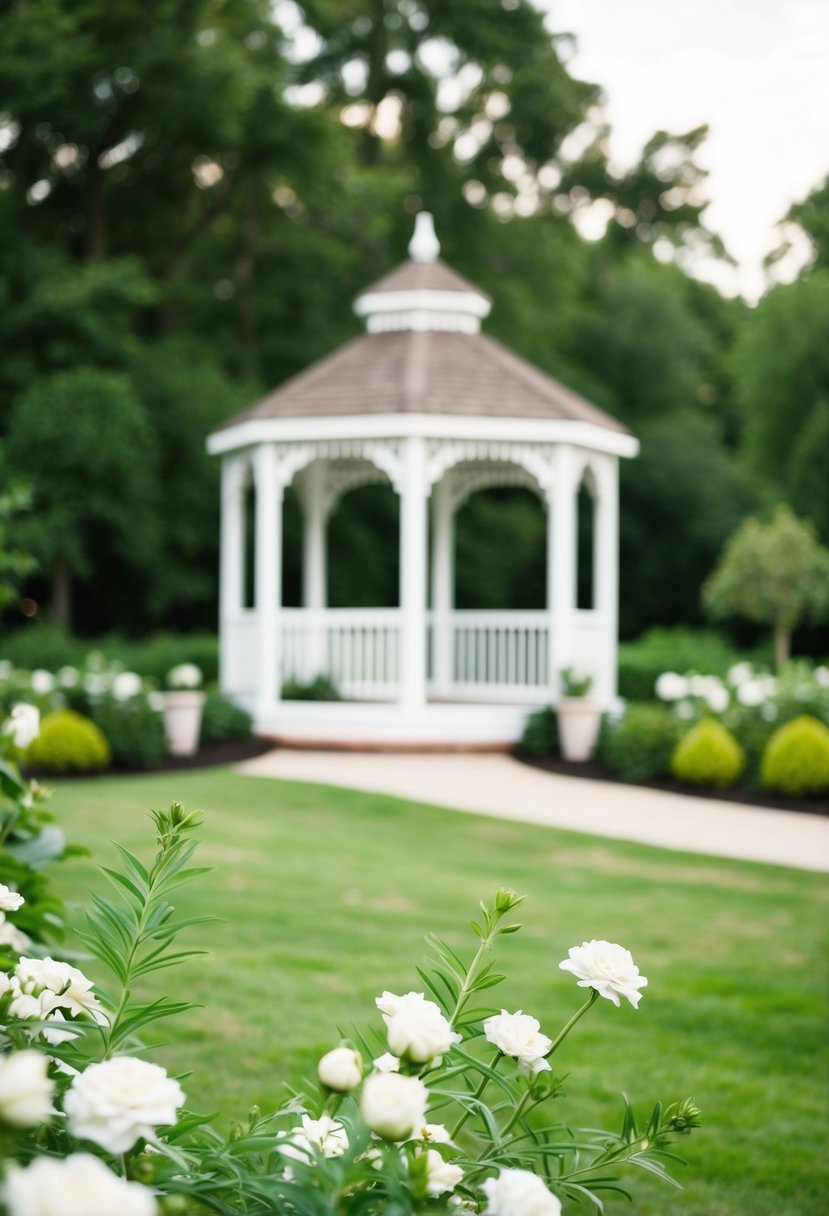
424, 245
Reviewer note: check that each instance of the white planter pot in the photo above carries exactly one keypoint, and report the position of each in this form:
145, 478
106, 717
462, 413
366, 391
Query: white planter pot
182, 721
578, 727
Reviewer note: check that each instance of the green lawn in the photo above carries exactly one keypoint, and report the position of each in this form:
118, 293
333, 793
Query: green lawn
324, 897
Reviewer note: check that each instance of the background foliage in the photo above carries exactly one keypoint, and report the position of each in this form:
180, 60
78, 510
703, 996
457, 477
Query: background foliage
184, 218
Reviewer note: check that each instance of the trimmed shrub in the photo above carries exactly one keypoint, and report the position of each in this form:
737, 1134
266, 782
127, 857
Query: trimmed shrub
322, 688
540, 737
796, 759
643, 661
223, 720
133, 729
68, 743
708, 755
639, 747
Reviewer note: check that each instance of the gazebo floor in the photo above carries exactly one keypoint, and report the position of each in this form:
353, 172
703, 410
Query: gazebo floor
383, 726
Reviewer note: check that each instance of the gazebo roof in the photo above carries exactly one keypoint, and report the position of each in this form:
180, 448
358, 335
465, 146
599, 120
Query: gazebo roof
425, 372
424, 354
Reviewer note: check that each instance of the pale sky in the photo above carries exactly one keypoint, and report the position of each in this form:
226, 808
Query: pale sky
757, 71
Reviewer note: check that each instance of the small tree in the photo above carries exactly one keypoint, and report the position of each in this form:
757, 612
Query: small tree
776, 574
15, 563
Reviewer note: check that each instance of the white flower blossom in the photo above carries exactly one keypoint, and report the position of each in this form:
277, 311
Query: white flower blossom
25, 1089
341, 1069
387, 1063
769, 711
126, 685
12, 937
42, 682
685, 710
156, 701
751, 693
393, 1105
518, 1035
519, 1193
68, 988
78, 1185
322, 1135
433, 1133
821, 675
717, 698
68, 677
441, 1176
120, 1101
10, 900
416, 1027
94, 683
671, 686
23, 724
608, 968
186, 675
739, 673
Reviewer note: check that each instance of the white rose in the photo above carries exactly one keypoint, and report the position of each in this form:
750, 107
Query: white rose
433, 1133
12, 937
10, 901
125, 685
416, 1027
69, 987
441, 1176
323, 1134
25, 1089
393, 1105
79, 1185
341, 1069
608, 968
23, 724
42, 681
519, 1035
387, 1063
519, 1193
121, 1101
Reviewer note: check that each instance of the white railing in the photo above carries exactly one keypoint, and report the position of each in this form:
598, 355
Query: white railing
238, 653
502, 654
358, 649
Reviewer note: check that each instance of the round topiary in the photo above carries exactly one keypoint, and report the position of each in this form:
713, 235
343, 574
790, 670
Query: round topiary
68, 743
708, 755
796, 758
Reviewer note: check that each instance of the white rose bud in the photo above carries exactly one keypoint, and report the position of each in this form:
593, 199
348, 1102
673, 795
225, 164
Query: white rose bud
387, 1063
519, 1193
608, 968
519, 1036
393, 1105
441, 1176
120, 1101
23, 724
25, 1089
79, 1185
341, 1069
416, 1027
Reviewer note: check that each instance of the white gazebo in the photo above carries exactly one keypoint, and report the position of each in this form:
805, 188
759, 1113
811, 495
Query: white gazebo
426, 402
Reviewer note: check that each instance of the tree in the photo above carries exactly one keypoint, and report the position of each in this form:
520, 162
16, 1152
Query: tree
776, 574
15, 563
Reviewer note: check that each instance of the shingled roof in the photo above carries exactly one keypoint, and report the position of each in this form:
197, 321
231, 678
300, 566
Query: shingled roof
425, 372
424, 276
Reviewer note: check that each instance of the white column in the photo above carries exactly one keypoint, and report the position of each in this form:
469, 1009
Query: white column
443, 579
606, 584
268, 575
413, 557
231, 566
314, 580
561, 562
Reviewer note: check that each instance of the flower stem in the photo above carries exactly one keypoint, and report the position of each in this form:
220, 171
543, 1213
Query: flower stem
591, 1000
481, 1087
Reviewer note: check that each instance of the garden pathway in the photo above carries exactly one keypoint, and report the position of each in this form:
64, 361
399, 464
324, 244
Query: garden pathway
500, 786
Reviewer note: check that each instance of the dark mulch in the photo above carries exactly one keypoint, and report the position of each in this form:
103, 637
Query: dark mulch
231, 751
596, 771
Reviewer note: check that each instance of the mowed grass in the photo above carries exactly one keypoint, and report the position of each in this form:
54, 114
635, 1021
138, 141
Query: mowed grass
324, 897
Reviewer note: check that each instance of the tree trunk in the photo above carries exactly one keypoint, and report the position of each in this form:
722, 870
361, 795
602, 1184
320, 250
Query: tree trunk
62, 594
782, 645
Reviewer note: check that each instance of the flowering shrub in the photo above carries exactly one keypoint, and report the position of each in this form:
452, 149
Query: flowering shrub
439, 1106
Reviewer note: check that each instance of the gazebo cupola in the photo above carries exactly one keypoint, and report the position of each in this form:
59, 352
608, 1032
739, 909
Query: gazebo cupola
426, 402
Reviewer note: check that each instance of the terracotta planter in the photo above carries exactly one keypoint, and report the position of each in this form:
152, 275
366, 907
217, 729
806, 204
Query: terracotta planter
182, 721
578, 727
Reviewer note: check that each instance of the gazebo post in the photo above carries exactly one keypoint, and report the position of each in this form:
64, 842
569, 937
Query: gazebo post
231, 559
561, 563
268, 575
413, 556
606, 571
314, 589
442, 584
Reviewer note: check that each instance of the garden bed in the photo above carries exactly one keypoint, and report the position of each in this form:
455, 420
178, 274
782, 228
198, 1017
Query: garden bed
595, 770
229, 751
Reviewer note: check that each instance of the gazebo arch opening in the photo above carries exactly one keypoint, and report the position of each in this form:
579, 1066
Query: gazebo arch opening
427, 409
